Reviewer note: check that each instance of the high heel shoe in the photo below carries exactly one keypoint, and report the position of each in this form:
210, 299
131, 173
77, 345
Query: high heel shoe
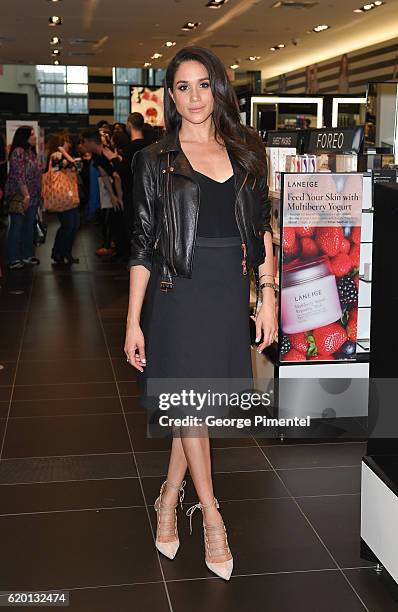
216, 543
166, 529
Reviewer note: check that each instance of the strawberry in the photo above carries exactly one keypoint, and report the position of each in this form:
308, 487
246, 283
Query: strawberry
309, 247
329, 240
355, 255
352, 325
345, 246
321, 357
341, 264
305, 232
290, 244
329, 338
294, 355
299, 342
356, 234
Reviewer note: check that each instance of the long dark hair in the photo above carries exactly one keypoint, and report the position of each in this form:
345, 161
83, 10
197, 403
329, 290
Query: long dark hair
21, 138
243, 141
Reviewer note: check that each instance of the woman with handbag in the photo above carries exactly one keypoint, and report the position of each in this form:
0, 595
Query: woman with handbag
201, 221
22, 198
60, 193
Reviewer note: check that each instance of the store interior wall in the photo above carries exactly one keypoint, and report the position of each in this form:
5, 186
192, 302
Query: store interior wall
376, 63
21, 79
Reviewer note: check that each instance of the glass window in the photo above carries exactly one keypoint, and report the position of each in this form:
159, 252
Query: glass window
77, 105
63, 88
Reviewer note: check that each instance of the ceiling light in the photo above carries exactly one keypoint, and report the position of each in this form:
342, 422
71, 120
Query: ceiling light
320, 28
170, 43
281, 46
55, 40
56, 62
55, 20
147, 64
235, 65
55, 52
54, 0
190, 25
156, 56
368, 7
277, 47
253, 58
216, 4
272, 48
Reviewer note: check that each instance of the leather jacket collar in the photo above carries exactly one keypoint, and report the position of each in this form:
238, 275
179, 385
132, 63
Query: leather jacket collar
171, 144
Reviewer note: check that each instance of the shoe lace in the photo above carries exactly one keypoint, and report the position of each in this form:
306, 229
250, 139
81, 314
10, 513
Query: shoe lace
192, 509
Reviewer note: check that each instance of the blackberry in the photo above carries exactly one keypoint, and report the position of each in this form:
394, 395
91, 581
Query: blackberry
348, 292
285, 345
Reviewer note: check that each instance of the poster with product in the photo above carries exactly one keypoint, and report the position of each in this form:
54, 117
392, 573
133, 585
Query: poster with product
149, 102
320, 259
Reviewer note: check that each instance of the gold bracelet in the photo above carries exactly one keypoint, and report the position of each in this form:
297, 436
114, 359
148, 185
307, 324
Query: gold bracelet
272, 285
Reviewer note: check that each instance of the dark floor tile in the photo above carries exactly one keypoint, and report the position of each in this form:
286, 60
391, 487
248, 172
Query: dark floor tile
58, 407
68, 351
5, 393
7, 372
63, 391
39, 437
244, 459
12, 302
325, 591
57, 372
74, 467
322, 481
235, 486
77, 495
337, 520
128, 389
316, 455
264, 536
140, 434
92, 548
132, 404
377, 591
4, 409
134, 598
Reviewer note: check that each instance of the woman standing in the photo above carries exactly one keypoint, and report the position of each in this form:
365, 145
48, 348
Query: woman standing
60, 160
23, 197
201, 221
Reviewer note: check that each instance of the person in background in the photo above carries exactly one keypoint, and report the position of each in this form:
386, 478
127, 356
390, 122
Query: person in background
84, 180
24, 181
123, 166
104, 124
119, 141
59, 157
3, 175
101, 167
118, 127
148, 133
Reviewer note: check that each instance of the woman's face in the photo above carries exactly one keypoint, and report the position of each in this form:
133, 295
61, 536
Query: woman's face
32, 139
192, 93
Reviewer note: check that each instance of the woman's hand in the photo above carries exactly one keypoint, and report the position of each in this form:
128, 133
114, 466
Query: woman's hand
135, 342
26, 202
266, 323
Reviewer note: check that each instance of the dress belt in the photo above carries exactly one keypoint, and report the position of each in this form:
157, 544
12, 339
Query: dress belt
222, 241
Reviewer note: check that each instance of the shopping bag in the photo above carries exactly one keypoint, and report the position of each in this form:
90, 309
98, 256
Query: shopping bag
59, 190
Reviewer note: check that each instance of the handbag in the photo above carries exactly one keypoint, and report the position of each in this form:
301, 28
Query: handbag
59, 190
14, 204
104, 195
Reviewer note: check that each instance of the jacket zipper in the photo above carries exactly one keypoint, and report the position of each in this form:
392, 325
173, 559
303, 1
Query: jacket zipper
237, 215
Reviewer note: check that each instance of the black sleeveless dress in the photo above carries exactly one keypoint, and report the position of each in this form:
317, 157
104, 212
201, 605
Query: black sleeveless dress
200, 329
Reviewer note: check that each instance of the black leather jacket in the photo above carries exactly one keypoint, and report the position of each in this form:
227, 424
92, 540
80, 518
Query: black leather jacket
166, 206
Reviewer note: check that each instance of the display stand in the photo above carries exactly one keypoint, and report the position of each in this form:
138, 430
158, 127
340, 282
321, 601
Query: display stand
288, 360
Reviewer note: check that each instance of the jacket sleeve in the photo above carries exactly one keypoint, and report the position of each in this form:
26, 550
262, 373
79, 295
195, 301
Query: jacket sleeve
265, 204
143, 229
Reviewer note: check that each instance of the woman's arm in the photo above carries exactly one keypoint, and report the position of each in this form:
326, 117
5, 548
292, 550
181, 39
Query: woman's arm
18, 161
142, 241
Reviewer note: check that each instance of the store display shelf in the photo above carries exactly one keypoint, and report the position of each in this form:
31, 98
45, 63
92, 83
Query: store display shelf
364, 343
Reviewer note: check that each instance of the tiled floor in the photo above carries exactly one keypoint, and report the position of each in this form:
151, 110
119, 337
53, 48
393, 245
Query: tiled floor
78, 477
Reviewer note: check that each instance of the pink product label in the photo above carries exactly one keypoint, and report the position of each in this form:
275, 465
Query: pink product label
310, 305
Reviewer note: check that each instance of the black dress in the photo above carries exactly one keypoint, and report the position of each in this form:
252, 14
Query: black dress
200, 329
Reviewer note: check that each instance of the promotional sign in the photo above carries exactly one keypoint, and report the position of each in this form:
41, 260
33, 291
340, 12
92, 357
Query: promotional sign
149, 102
335, 140
320, 264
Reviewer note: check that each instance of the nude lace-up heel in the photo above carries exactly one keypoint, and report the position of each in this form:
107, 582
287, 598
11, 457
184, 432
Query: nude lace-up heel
167, 520
216, 543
